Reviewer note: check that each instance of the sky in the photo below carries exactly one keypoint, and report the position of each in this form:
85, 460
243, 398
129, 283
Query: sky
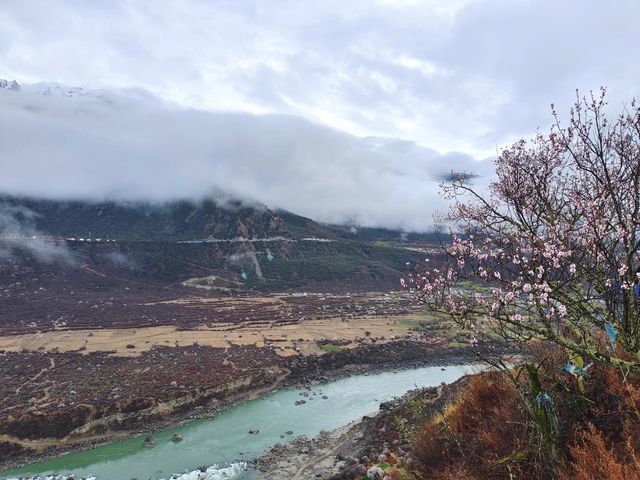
348, 111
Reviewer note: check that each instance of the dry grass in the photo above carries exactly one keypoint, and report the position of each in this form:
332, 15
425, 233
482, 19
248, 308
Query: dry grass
595, 458
484, 436
605, 445
488, 433
145, 338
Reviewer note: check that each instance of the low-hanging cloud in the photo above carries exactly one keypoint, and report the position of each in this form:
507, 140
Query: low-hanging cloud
129, 145
18, 234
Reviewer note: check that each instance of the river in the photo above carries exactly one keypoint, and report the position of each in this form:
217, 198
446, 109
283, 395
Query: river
223, 441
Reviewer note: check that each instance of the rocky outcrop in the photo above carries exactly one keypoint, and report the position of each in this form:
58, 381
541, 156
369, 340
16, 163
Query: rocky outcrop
37, 425
386, 355
130, 412
159, 409
321, 457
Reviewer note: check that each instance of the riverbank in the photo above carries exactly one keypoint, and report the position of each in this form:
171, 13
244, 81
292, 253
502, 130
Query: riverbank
324, 456
302, 372
373, 442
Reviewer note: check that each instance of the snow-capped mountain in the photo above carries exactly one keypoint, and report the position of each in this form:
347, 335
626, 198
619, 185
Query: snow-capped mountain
119, 97
54, 89
9, 84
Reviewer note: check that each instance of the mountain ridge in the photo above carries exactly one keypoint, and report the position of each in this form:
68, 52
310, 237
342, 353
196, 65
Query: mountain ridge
231, 246
139, 220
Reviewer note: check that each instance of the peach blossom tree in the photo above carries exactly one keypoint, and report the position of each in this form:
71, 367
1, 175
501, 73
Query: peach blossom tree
554, 240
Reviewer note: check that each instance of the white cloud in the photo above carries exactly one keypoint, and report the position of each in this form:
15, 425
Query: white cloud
20, 236
126, 145
466, 76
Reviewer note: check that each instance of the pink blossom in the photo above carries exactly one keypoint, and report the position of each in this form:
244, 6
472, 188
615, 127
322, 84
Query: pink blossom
558, 228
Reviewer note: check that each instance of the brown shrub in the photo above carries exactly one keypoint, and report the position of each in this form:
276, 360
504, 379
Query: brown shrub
593, 458
605, 445
485, 435
488, 433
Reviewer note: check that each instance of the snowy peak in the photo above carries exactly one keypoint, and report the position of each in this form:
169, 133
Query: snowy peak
59, 90
52, 89
9, 84
118, 97
45, 88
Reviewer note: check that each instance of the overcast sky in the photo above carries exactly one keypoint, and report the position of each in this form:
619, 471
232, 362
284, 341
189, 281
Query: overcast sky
278, 100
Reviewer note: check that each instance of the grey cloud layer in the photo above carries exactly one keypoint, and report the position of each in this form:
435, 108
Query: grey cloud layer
465, 75
125, 145
457, 75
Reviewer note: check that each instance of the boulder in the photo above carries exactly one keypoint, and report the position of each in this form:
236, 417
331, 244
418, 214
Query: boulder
149, 442
375, 473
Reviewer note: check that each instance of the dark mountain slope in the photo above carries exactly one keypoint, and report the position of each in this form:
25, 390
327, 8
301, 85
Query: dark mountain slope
303, 227
226, 248
178, 220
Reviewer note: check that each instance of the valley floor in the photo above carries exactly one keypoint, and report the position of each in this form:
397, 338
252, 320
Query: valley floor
69, 388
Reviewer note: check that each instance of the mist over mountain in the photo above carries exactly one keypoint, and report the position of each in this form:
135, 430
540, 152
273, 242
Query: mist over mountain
65, 142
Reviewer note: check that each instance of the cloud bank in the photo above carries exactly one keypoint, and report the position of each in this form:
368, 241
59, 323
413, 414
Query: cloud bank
463, 75
73, 143
18, 234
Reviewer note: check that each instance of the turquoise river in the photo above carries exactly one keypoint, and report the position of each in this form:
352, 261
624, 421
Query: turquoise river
222, 442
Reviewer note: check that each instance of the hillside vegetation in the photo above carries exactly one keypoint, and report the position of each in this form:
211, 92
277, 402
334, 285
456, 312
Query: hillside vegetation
247, 247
